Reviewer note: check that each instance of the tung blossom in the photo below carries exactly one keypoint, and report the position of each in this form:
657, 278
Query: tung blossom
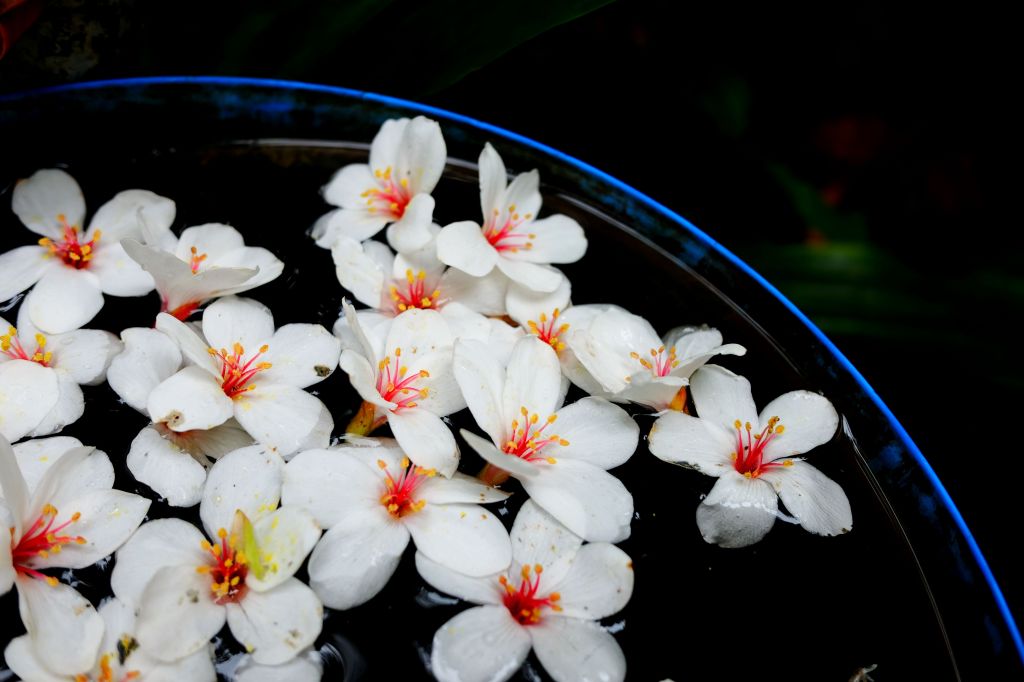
72, 270
373, 500
754, 458
547, 601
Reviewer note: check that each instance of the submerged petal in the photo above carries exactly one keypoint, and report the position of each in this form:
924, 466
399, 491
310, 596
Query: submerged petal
738, 511
588, 500
482, 643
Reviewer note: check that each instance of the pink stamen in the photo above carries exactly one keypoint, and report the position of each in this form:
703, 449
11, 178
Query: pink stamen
395, 386
528, 439
398, 493
547, 332
661, 363
389, 198
505, 237
749, 456
42, 539
10, 345
69, 249
524, 604
228, 568
234, 374
412, 293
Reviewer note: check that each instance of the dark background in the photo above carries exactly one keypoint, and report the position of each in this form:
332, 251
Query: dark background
854, 155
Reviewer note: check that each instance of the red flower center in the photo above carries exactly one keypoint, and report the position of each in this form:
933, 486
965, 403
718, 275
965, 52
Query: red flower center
528, 438
398, 492
660, 364
524, 604
42, 539
12, 348
396, 385
236, 372
388, 198
547, 332
412, 293
228, 568
503, 235
73, 252
749, 455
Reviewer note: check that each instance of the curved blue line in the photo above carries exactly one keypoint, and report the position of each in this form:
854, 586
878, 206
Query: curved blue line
915, 452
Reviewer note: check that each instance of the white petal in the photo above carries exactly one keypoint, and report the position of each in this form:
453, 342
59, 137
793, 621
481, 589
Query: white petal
109, 517
368, 343
218, 441
170, 471
538, 538
191, 344
16, 496
28, 391
213, 239
36, 456
124, 215
275, 626
362, 377
605, 344
77, 472
278, 415
738, 511
722, 397
588, 500
412, 232
426, 439
463, 246
358, 271
21, 658
355, 559
809, 420
598, 432
571, 649
530, 275
149, 357
533, 380
268, 265
118, 274
177, 614
248, 479
519, 468
63, 627
331, 484
421, 154
40, 198
485, 295
523, 194
347, 185
355, 223
463, 537
418, 333
818, 502
156, 544
234, 320
22, 267
483, 643
459, 488
7, 572
525, 304
306, 667
481, 379
174, 279
301, 355
85, 354
696, 443
69, 407
493, 179
559, 239
190, 399
64, 299
484, 590
599, 582
320, 436
285, 537
198, 667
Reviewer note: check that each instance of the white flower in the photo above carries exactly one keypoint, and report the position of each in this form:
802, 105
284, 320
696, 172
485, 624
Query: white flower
372, 500
407, 158
548, 601
305, 667
206, 262
408, 383
120, 659
510, 238
753, 458
40, 375
246, 370
62, 512
619, 356
564, 472
173, 464
185, 587
71, 270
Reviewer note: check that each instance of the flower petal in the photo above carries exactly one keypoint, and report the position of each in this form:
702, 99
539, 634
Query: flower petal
597, 431
482, 643
571, 649
118, 274
817, 502
85, 354
69, 407
280, 416
75, 473
218, 441
268, 267
156, 544
464, 537
170, 471
21, 658
485, 295
355, 559
64, 299
177, 613
588, 500
691, 442
493, 180
559, 239
524, 304
149, 357
306, 667
524, 195
347, 185
63, 627
234, 320
519, 468
175, 281
124, 215
426, 439
460, 488
355, 223
192, 346
481, 379
190, 399
420, 156
462, 245
533, 380
248, 479
38, 200
358, 270
16, 495
301, 355
7, 572
599, 582
738, 511
530, 275
275, 626
23, 267
605, 344
809, 419
212, 239
285, 537
538, 538
361, 376
331, 484
482, 590
28, 391
722, 397
412, 231
36, 456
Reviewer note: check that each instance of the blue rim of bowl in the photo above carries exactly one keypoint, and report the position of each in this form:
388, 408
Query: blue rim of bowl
695, 232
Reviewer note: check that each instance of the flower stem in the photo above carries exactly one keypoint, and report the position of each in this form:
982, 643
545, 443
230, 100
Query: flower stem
363, 423
492, 475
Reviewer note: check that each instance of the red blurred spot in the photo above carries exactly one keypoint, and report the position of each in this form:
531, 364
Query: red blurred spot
853, 139
15, 18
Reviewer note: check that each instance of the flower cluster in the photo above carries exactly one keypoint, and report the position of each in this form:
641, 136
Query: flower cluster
468, 318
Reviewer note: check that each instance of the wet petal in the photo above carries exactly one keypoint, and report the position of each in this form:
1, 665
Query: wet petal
559, 239
459, 488
525, 304
530, 275
149, 357
28, 391
599, 582
588, 500
36, 456
38, 199
124, 215
738, 511
412, 232
156, 544
519, 468
597, 431
482, 643
108, 518
212, 239
362, 377
280, 416
421, 155
464, 537
482, 590
64, 299
234, 320
190, 399
722, 397
538, 538
275, 626
533, 380
285, 537
22, 267
248, 479
426, 439
347, 185
485, 295
63, 627
118, 274
355, 223
70, 406
809, 420
817, 502
301, 355
192, 346
85, 354
331, 484
463, 246
358, 270
21, 658
177, 614
493, 179
698, 443
571, 649
605, 342
306, 667
170, 471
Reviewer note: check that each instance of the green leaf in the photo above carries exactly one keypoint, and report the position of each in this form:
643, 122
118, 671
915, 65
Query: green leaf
242, 527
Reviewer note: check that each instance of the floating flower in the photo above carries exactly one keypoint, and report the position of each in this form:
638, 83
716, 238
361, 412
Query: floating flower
77, 357
510, 238
619, 356
409, 385
206, 262
246, 370
120, 659
72, 270
559, 454
306, 667
753, 458
172, 463
185, 587
407, 158
372, 500
62, 512
548, 600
